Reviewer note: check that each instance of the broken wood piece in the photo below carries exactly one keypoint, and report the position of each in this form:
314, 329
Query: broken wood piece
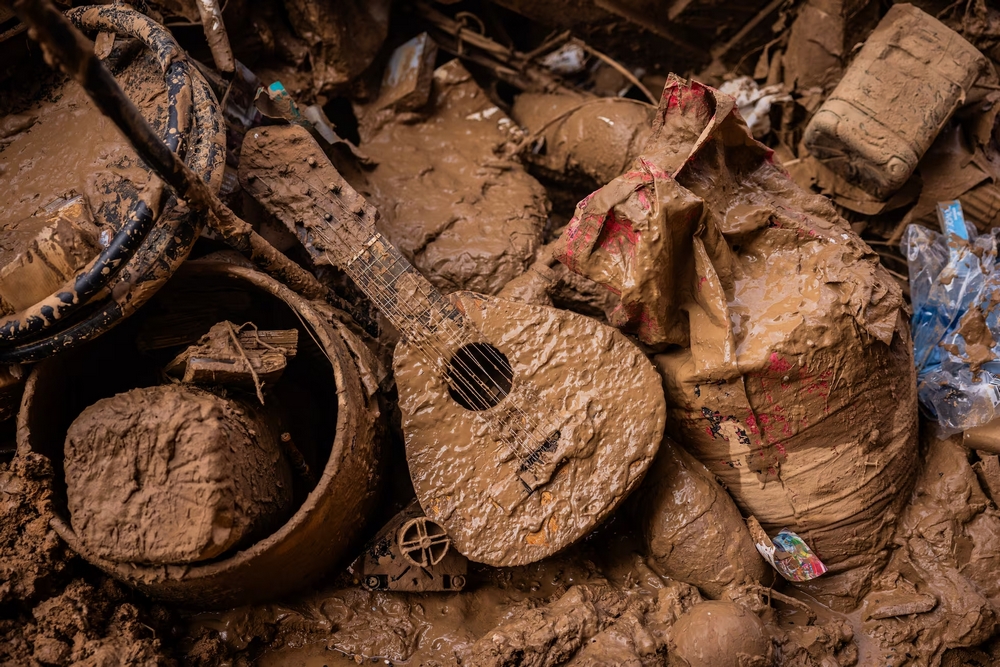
173, 474
512, 67
215, 33
236, 356
67, 241
296, 460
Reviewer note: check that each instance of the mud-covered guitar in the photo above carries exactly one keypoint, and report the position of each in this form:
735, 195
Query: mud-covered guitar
525, 426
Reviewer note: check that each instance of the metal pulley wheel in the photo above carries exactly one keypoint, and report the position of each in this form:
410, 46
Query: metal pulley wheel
423, 542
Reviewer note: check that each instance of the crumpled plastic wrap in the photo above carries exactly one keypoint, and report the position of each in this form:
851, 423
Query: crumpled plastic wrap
955, 290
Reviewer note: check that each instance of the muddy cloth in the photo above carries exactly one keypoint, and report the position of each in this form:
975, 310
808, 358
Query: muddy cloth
172, 474
790, 373
466, 215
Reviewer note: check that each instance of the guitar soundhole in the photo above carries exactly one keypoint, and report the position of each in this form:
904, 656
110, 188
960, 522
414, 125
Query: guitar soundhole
479, 376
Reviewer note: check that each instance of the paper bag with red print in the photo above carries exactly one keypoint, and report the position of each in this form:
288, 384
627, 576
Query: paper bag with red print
786, 361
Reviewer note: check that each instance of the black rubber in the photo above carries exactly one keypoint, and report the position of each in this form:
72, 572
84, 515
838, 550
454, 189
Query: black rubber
146, 250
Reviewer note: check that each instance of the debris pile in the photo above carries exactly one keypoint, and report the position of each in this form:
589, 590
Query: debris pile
490, 332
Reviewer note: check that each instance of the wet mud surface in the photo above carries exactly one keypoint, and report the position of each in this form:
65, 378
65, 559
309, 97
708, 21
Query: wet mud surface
64, 144
763, 365
467, 214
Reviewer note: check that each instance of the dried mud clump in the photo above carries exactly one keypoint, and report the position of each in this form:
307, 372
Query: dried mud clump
172, 474
941, 588
83, 625
31, 554
43, 619
720, 634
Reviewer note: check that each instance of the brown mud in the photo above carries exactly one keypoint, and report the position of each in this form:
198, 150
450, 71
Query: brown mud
780, 337
53, 616
64, 144
586, 143
465, 213
336, 425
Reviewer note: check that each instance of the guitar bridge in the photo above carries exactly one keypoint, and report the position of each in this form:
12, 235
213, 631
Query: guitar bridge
529, 470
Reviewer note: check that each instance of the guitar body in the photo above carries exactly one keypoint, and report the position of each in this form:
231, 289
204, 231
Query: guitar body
590, 382
525, 426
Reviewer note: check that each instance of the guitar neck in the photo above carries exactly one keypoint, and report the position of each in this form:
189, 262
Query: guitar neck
286, 170
413, 306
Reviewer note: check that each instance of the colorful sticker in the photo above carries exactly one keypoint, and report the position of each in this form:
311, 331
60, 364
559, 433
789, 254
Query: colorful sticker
787, 553
951, 219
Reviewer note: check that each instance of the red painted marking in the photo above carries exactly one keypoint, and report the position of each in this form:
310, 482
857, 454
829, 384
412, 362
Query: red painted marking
779, 365
618, 236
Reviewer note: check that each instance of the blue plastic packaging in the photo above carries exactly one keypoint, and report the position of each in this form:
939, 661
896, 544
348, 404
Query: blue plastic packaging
955, 290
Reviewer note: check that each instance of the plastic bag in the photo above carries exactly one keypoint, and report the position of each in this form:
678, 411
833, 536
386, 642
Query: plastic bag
955, 289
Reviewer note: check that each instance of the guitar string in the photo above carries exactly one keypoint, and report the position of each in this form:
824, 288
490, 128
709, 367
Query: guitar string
420, 286
429, 298
435, 356
531, 426
422, 342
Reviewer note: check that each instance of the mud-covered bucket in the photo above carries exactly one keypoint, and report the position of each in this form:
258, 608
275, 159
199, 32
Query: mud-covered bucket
330, 383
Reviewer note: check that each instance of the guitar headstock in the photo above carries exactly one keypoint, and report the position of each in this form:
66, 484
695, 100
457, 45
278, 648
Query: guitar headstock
285, 169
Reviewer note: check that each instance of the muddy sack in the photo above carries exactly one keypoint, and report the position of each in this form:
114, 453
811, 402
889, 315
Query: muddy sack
785, 354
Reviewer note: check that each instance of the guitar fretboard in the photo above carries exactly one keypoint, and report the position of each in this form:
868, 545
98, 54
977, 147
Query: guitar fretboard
337, 226
415, 307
